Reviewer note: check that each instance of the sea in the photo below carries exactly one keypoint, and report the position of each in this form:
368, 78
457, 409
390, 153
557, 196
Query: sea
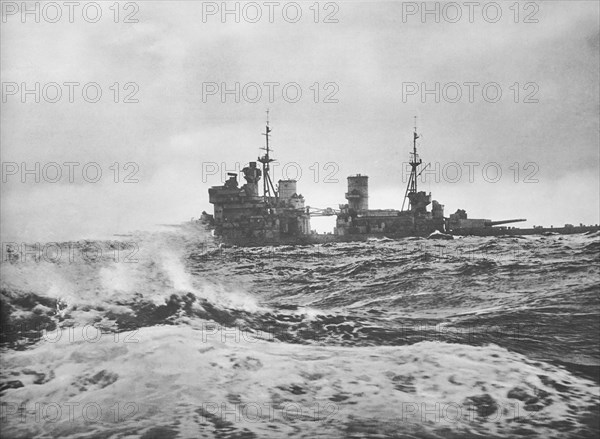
168, 334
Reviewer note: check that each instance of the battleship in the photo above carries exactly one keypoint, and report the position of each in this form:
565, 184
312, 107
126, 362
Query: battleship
243, 216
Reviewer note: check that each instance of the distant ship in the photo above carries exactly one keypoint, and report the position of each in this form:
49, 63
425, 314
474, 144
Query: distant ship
244, 217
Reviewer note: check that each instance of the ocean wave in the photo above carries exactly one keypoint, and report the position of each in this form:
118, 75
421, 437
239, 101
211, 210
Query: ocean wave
515, 318
194, 381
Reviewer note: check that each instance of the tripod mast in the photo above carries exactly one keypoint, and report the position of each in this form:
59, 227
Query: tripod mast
268, 188
415, 162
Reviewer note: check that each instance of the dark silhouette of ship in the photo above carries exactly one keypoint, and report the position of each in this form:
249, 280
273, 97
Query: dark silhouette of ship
243, 216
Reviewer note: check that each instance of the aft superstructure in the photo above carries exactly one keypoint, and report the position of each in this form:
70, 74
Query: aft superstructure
355, 217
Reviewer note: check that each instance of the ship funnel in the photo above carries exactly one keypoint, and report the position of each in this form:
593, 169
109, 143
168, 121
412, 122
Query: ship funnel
287, 188
358, 192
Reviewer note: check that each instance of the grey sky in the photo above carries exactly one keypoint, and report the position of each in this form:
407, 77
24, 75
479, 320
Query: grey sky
368, 54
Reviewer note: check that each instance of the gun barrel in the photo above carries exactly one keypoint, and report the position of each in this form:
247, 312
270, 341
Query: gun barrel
497, 223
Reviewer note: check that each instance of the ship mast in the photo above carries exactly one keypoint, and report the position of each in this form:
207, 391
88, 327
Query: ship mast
415, 162
268, 188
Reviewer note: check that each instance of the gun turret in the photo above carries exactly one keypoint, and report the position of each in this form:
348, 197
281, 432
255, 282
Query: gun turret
497, 223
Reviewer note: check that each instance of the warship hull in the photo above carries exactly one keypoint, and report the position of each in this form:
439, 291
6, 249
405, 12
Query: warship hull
325, 238
529, 231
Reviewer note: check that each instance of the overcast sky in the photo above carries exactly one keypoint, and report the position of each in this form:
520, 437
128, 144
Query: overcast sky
367, 59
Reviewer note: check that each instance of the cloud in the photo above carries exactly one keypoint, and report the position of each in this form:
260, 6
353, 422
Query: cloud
368, 56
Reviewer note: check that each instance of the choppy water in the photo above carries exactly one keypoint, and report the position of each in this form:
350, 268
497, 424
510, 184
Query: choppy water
476, 337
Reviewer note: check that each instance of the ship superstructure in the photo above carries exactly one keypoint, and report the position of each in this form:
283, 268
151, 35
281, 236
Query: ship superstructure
245, 216
241, 213
356, 217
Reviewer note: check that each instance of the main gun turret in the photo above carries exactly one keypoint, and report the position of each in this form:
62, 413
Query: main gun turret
497, 223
